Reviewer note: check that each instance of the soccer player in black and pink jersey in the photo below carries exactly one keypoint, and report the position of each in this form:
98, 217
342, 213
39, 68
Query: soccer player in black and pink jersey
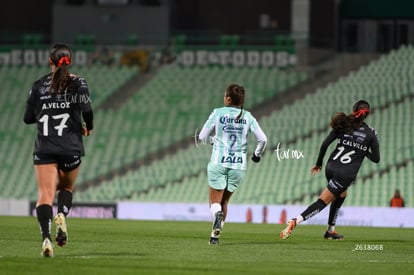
57, 103
355, 141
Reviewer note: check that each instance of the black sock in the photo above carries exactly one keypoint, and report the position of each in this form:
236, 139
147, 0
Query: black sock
313, 209
44, 214
64, 199
334, 210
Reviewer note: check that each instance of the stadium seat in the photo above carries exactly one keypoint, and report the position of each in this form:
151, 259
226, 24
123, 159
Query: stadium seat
386, 83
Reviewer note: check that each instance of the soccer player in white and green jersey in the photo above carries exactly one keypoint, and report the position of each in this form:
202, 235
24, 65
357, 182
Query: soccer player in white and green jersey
228, 163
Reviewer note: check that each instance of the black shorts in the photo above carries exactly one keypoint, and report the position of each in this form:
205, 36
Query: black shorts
337, 182
336, 187
65, 163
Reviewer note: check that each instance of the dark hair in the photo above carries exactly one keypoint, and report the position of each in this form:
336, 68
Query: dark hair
236, 94
61, 57
344, 123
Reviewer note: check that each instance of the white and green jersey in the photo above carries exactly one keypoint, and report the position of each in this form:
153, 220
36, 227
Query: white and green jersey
230, 139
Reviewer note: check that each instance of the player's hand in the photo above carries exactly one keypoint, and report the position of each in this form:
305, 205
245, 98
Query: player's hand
255, 158
315, 170
211, 140
85, 131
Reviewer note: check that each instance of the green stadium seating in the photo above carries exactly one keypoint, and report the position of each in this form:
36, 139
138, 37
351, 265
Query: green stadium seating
289, 181
138, 128
17, 139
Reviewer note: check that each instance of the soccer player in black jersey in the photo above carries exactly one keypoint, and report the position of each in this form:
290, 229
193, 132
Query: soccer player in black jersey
355, 141
57, 103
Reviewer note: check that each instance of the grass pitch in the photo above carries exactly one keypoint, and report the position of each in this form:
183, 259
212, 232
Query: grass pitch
151, 247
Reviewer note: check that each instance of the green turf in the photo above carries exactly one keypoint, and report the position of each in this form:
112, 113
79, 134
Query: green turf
148, 247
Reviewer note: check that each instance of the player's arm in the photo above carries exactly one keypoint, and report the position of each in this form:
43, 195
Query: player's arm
88, 122
208, 127
86, 107
374, 153
29, 114
322, 151
261, 140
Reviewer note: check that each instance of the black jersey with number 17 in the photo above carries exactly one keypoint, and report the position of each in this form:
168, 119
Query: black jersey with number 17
58, 116
350, 151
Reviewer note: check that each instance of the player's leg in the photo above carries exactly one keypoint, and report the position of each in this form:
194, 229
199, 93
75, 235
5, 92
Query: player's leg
333, 214
216, 209
225, 202
217, 180
234, 179
324, 199
68, 172
224, 205
65, 188
46, 176
339, 181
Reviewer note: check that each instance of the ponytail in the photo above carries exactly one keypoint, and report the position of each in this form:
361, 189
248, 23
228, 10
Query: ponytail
343, 123
241, 97
61, 57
